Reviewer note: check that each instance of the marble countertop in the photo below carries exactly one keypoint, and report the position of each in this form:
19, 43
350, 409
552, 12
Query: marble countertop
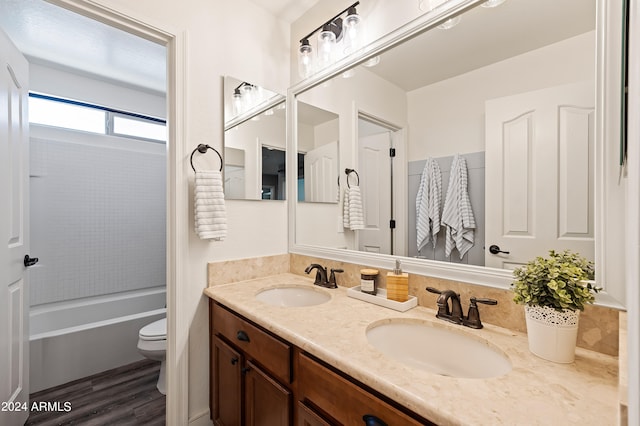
535, 392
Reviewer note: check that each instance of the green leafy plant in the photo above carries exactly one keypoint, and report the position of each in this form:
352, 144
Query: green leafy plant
555, 281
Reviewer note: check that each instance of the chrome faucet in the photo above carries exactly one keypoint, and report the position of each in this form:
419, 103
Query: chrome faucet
454, 313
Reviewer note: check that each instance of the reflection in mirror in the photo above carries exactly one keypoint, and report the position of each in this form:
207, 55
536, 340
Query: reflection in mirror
500, 107
318, 161
254, 142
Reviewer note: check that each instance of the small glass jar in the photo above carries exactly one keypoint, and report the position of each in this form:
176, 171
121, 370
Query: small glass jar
369, 281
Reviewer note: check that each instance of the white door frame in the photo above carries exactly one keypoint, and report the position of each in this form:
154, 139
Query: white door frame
177, 372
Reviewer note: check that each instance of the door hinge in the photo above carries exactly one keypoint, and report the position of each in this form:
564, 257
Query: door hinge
392, 224
392, 152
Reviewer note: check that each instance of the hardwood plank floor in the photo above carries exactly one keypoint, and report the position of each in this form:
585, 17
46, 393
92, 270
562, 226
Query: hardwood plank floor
123, 396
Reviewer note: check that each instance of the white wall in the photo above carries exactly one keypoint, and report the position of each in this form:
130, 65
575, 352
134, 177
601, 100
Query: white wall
57, 82
222, 38
448, 117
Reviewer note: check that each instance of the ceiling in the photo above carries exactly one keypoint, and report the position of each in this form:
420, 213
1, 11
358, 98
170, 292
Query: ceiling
484, 36
52, 35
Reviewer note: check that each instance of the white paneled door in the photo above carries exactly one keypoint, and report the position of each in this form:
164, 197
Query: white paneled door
321, 174
375, 184
540, 174
14, 233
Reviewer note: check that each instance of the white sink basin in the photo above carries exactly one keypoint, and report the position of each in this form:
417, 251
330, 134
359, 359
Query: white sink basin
293, 296
438, 350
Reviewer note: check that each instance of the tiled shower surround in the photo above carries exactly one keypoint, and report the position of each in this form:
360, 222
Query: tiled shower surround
97, 219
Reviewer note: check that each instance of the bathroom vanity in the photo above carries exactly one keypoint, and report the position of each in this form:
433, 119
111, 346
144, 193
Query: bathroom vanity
314, 365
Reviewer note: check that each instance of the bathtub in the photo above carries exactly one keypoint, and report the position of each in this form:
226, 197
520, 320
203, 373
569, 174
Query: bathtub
74, 339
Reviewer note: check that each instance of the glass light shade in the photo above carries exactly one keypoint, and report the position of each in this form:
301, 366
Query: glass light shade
326, 44
237, 102
449, 23
372, 62
305, 59
352, 28
492, 3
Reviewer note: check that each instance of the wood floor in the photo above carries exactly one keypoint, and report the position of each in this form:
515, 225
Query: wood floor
124, 396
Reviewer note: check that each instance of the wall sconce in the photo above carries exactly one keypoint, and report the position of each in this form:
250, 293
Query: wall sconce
333, 33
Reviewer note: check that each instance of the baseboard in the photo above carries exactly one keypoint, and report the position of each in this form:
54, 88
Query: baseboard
201, 419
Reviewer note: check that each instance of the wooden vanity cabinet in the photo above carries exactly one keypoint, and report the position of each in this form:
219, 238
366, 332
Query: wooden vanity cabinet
250, 373
252, 383
327, 397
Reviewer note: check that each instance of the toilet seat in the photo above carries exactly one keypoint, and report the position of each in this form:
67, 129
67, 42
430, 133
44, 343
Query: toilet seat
157, 330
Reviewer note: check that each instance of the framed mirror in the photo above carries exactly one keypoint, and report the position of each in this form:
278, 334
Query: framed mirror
512, 93
254, 142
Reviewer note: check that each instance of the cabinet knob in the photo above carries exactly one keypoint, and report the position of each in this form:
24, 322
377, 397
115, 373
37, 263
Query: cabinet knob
242, 336
371, 420
245, 370
234, 360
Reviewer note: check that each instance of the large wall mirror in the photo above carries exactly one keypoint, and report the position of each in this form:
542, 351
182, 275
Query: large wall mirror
254, 142
502, 106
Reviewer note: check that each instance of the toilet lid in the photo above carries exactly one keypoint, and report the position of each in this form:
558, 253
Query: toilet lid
155, 331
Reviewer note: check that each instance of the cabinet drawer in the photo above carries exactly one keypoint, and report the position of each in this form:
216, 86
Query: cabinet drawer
270, 352
343, 400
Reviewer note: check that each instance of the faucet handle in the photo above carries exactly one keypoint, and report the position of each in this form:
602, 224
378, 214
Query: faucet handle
433, 290
473, 317
332, 277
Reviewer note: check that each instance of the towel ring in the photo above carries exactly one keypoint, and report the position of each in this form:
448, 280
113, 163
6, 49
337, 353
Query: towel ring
202, 148
348, 172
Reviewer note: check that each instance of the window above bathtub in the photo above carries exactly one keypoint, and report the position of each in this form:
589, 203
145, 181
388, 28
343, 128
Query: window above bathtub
75, 115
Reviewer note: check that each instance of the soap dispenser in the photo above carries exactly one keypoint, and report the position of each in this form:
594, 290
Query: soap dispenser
398, 284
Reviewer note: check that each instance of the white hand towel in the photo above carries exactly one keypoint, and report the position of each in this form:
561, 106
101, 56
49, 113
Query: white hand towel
457, 214
428, 203
356, 212
209, 208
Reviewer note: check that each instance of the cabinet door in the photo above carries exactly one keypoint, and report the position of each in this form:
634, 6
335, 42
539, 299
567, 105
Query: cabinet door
226, 391
267, 402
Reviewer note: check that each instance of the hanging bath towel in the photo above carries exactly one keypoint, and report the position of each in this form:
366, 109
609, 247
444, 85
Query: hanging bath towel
428, 203
457, 214
209, 209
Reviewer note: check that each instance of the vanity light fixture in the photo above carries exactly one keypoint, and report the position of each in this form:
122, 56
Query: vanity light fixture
335, 32
245, 96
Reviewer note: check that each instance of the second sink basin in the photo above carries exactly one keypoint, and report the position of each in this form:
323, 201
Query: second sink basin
293, 296
438, 350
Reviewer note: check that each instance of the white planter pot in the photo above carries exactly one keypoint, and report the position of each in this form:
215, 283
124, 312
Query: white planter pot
552, 334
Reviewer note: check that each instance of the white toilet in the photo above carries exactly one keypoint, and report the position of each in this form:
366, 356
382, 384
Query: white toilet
152, 344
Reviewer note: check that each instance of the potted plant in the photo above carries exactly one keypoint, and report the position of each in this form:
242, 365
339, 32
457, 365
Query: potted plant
554, 290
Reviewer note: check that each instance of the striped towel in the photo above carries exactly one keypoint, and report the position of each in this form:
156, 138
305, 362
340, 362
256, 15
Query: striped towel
428, 203
457, 214
353, 213
210, 212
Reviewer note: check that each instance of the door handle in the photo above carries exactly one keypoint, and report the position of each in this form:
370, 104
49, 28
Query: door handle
494, 249
29, 261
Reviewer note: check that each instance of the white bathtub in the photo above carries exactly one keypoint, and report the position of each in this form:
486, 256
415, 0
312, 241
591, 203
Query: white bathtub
75, 339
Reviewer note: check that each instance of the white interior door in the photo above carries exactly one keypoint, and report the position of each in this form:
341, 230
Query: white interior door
540, 174
14, 214
321, 174
375, 185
